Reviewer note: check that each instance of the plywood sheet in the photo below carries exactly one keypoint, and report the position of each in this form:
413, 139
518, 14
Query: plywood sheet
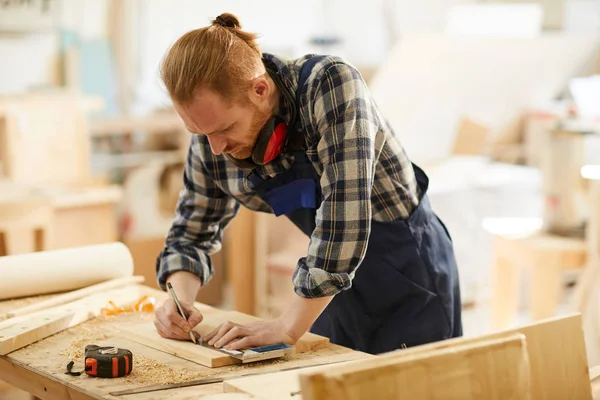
146, 333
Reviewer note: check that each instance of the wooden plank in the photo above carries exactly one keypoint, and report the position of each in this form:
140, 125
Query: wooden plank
18, 332
76, 294
280, 385
493, 369
557, 356
146, 333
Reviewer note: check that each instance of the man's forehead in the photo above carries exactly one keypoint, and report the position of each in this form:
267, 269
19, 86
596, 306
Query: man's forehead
205, 114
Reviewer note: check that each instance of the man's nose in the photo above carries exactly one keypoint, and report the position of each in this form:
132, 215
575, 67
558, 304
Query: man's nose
217, 145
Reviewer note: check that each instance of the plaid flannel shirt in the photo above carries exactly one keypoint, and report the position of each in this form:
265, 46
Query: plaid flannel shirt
364, 175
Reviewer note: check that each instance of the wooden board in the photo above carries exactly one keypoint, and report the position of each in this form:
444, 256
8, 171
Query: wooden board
19, 332
557, 356
146, 333
493, 369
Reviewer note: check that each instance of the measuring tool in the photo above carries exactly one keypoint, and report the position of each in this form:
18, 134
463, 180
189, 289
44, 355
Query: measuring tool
255, 353
208, 381
105, 362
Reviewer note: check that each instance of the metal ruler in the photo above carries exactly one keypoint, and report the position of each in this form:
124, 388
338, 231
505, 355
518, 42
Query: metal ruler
208, 381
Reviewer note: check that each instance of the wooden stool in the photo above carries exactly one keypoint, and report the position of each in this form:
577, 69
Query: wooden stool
548, 256
25, 225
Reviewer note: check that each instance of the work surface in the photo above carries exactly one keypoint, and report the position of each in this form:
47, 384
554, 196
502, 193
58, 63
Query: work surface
40, 367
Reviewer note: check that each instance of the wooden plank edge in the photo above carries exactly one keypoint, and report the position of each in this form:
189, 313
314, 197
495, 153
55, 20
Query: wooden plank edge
75, 295
14, 339
39, 383
154, 343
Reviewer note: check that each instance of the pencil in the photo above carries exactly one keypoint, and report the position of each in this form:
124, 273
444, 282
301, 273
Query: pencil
179, 308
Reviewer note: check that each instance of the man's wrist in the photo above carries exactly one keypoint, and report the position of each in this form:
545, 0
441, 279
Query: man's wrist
291, 327
301, 313
186, 285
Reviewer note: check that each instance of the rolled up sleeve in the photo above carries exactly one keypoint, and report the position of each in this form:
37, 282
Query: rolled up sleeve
345, 119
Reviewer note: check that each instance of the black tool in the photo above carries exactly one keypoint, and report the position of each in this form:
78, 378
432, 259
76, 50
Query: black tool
105, 362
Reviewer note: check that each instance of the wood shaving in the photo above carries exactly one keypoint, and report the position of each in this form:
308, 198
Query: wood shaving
88, 332
151, 372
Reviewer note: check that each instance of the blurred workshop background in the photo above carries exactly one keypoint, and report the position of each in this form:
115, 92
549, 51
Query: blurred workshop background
498, 101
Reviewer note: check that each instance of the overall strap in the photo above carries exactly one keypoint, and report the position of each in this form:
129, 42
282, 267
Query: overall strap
296, 140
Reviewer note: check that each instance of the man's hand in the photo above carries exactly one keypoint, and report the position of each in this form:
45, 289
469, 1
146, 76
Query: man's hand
287, 328
233, 336
170, 324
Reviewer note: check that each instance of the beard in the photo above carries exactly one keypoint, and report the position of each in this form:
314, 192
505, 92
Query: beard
259, 120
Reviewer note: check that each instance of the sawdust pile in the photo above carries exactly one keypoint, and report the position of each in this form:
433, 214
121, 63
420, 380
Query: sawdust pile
86, 333
147, 371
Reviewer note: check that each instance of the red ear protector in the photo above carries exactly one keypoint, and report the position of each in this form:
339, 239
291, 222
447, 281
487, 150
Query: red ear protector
272, 137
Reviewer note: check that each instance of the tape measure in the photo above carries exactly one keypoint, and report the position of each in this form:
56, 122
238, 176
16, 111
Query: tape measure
105, 362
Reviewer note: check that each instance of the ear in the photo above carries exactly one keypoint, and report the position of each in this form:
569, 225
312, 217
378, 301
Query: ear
259, 91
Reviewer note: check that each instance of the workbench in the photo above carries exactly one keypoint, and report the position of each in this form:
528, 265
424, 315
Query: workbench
40, 367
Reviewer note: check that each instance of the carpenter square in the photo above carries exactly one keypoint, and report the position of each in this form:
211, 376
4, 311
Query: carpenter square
255, 353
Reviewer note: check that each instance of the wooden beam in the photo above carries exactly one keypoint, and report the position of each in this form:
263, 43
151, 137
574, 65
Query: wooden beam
19, 332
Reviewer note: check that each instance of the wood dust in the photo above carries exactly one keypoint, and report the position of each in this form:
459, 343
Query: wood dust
147, 371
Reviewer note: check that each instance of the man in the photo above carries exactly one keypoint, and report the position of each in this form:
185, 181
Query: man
304, 139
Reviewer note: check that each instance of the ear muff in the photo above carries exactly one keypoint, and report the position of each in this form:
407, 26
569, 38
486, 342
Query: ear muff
268, 144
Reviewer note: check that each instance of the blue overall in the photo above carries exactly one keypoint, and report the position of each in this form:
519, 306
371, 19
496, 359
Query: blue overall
405, 292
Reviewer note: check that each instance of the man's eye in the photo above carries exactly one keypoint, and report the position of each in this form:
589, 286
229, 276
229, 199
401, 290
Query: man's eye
230, 127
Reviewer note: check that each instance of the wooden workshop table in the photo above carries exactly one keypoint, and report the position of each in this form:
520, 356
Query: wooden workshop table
40, 367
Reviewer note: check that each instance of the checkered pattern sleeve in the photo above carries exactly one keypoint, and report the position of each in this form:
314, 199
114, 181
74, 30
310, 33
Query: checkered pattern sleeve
346, 122
203, 210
